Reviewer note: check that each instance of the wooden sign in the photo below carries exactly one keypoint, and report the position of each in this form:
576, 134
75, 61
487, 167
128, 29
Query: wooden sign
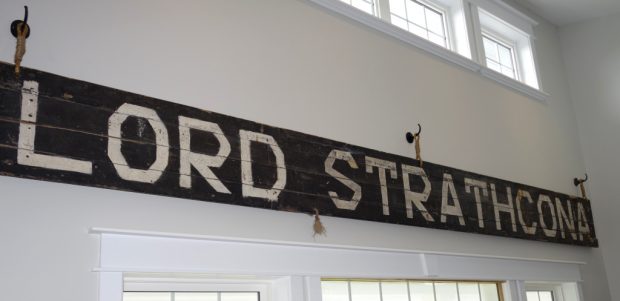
63, 130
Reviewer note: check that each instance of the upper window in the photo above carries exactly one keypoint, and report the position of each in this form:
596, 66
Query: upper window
365, 5
507, 48
488, 37
499, 56
420, 18
400, 290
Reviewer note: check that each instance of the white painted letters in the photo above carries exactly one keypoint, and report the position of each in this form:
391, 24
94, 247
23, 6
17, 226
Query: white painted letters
447, 209
582, 221
152, 174
500, 207
549, 232
477, 185
357, 189
201, 162
565, 219
381, 166
416, 198
27, 133
531, 230
248, 189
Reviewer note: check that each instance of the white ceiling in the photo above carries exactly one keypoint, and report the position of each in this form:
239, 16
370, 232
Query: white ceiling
562, 12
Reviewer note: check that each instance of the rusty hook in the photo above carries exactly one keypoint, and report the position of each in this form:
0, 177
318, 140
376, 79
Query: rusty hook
409, 136
578, 181
21, 23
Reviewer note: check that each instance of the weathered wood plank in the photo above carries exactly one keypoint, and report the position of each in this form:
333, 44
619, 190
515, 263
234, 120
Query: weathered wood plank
63, 130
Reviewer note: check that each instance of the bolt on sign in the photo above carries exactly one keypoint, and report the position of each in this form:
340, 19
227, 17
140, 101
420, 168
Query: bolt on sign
63, 130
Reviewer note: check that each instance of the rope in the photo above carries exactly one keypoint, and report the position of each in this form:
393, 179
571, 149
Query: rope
418, 155
583, 190
20, 49
318, 227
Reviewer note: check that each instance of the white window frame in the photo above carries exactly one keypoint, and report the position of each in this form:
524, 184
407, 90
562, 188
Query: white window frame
466, 43
375, 7
408, 282
510, 44
513, 28
440, 8
561, 291
173, 293
292, 271
149, 282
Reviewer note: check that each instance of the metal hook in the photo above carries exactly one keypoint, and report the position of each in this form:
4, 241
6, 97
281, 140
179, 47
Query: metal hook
21, 23
409, 136
577, 181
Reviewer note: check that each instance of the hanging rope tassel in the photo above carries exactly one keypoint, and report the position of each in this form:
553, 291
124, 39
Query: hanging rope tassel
20, 49
418, 155
583, 190
318, 227
582, 187
415, 138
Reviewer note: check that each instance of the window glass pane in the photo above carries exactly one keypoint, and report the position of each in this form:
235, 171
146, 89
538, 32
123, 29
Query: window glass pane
138, 296
434, 21
508, 72
394, 291
366, 6
468, 291
335, 290
195, 297
439, 40
421, 291
417, 30
545, 296
489, 292
402, 23
532, 296
490, 49
415, 13
365, 291
446, 291
505, 56
397, 7
225, 296
493, 65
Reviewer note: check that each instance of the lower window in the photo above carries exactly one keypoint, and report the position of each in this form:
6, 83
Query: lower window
539, 295
409, 290
191, 296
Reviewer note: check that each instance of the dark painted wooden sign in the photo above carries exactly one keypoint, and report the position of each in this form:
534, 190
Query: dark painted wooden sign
63, 130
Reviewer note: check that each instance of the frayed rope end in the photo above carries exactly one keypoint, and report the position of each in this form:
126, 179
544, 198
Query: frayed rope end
318, 227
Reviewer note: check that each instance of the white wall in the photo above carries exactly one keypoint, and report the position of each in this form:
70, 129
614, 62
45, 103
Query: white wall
291, 64
592, 58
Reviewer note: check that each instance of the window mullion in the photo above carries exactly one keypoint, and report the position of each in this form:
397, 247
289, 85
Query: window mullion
408, 291
350, 293
383, 7
475, 31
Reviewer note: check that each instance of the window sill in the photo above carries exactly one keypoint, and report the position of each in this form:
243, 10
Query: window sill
429, 47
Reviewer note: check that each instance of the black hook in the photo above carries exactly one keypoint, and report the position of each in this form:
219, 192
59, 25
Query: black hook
577, 181
21, 23
409, 136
